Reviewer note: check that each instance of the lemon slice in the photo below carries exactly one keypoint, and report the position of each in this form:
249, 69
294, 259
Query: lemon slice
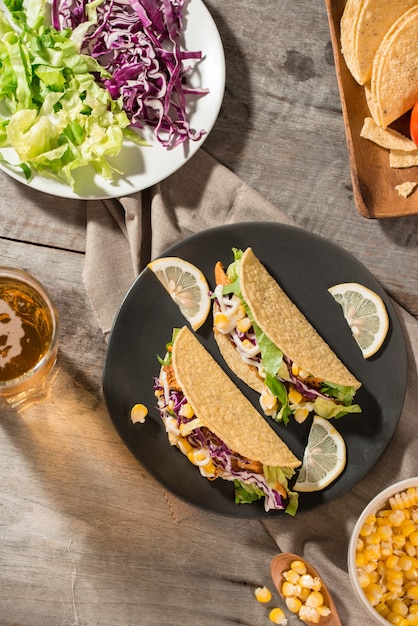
186, 285
365, 313
324, 457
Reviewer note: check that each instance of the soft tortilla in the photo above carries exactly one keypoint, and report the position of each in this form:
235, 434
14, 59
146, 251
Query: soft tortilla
394, 84
283, 323
221, 406
363, 27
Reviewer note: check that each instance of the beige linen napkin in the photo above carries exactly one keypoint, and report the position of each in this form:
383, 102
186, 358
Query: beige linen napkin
122, 235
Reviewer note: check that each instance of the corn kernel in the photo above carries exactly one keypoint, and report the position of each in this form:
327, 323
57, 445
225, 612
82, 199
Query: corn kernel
138, 413
293, 604
299, 567
413, 538
184, 445
244, 324
400, 608
405, 563
412, 574
396, 620
294, 396
392, 562
412, 592
385, 532
291, 576
186, 410
315, 599
396, 517
382, 609
306, 580
409, 548
309, 613
295, 369
268, 402
374, 593
304, 594
324, 611
262, 594
277, 616
394, 576
222, 322
208, 470
398, 541
386, 549
366, 530
289, 589
300, 415
364, 579
407, 528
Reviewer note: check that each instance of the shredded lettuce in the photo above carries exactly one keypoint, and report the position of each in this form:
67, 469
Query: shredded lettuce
53, 112
245, 493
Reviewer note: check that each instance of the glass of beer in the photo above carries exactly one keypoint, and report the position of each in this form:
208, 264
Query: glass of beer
28, 337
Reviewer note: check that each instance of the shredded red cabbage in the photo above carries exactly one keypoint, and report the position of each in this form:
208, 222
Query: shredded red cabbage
138, 42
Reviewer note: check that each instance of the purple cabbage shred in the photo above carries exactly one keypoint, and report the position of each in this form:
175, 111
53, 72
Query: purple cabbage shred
138, 43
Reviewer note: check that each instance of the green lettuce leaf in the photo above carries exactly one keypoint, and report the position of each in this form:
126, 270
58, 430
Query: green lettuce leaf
328, 409
245, 494
53, 112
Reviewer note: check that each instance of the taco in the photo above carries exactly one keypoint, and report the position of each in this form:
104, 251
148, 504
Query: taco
211, 422
269, 344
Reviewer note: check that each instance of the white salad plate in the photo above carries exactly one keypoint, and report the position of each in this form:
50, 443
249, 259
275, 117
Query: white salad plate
146, 166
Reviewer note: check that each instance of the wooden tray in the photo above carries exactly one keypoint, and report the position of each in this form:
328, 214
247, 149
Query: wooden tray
373, 179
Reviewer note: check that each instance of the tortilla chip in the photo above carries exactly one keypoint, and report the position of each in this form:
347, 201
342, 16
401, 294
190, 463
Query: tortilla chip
221, 406
285, 325
386, 137
247, 373
363, 27
406, 189
400, 159
394, 83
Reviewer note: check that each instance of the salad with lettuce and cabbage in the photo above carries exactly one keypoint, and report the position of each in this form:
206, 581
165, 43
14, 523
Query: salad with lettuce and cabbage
64, 106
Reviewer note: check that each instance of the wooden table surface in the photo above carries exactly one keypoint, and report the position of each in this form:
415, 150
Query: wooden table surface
86, 535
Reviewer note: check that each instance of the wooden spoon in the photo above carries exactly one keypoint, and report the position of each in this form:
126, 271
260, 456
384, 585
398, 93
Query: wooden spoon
281, 563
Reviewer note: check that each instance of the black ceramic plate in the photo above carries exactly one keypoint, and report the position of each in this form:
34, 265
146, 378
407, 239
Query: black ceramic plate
306, 265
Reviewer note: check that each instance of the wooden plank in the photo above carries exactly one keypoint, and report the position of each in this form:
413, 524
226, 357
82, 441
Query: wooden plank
87, 535
36, 217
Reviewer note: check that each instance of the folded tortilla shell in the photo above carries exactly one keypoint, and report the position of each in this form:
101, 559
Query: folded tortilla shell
285, 325
363, 27
222, 408
247, 373
394, 82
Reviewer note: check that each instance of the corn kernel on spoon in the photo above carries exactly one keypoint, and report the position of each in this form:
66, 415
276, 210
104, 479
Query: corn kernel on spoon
290, 573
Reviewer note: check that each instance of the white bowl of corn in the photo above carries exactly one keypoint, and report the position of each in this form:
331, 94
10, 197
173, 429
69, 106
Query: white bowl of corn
383, 555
